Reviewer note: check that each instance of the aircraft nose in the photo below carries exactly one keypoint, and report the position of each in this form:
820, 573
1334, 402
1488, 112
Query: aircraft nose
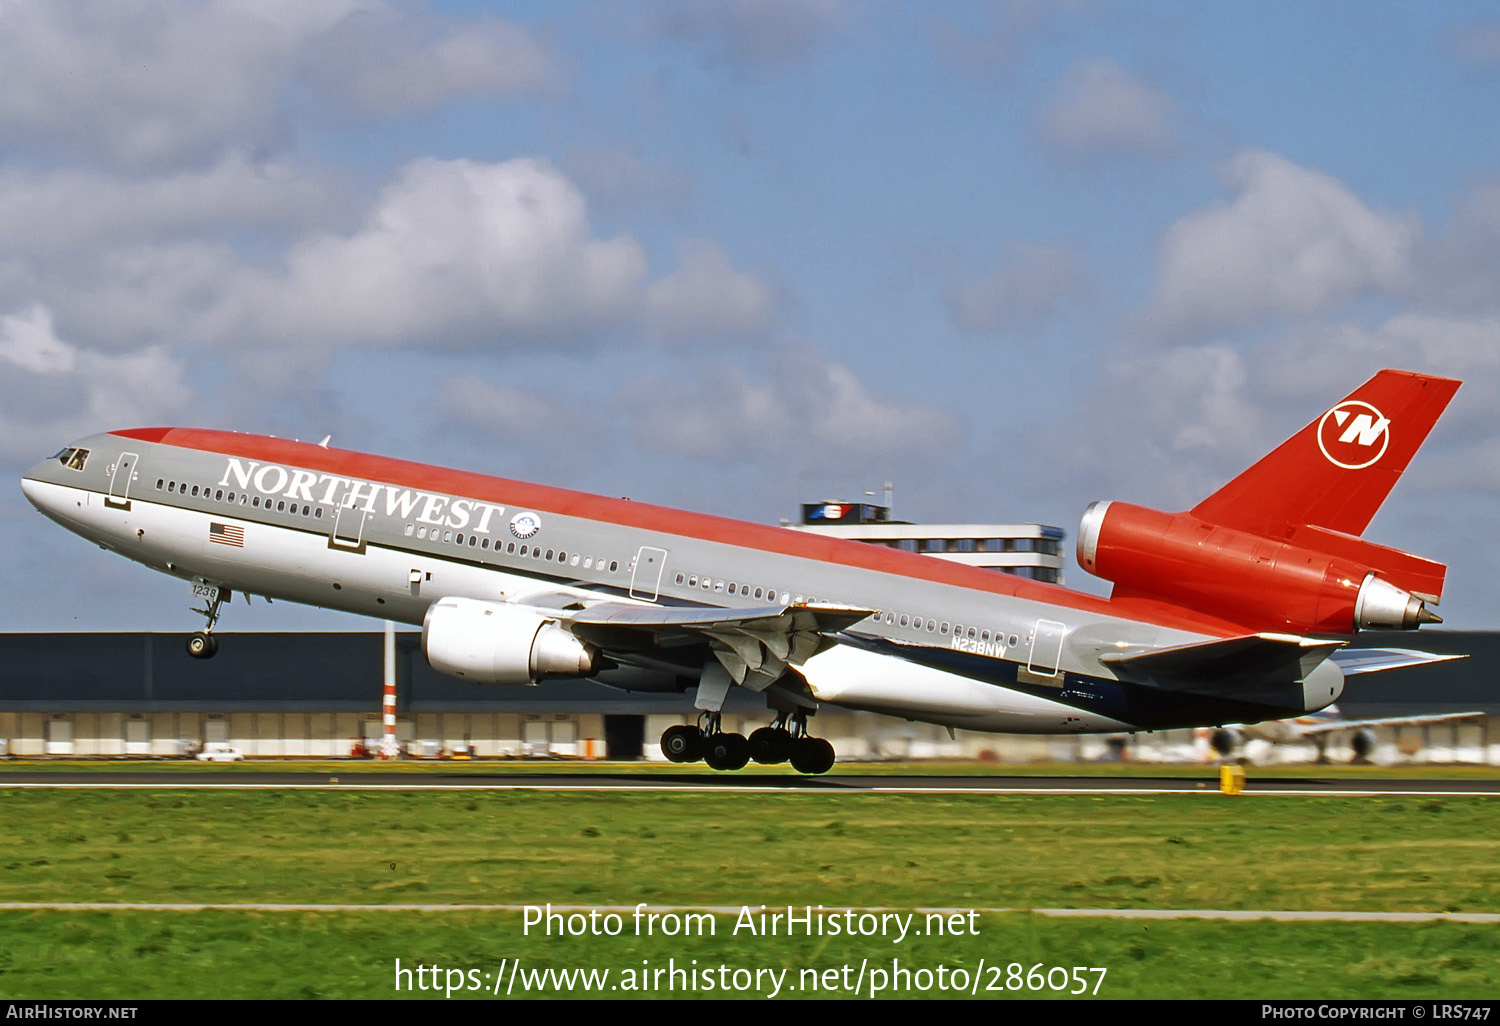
36, 486
31, 487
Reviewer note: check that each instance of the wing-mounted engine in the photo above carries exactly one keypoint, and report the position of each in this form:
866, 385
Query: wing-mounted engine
1311, 580
499, 643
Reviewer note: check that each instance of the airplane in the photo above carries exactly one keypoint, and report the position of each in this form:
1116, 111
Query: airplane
1218, 615
1316, 728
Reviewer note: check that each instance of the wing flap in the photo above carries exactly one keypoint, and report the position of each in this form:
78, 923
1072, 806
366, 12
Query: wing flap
756, 645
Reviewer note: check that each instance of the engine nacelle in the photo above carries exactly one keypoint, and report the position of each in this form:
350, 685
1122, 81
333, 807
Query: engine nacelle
1259, 582
498, 643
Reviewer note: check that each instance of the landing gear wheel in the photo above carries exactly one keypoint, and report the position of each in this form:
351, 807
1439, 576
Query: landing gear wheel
812, 755
682, 744
770, 745
726, 751
201, 645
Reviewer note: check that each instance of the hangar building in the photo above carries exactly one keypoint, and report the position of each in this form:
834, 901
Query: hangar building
316, 694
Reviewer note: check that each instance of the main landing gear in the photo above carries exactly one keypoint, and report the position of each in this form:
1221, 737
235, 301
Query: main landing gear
202, 644
787, 739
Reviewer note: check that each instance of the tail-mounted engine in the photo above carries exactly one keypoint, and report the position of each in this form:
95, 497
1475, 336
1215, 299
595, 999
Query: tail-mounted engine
499, 643
1312, 581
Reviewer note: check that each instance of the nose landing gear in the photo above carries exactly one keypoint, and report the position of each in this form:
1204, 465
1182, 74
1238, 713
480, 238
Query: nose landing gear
202, 644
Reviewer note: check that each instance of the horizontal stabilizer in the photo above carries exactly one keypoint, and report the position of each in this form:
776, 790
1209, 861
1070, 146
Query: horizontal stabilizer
1387, 721
1373, 660
1224, 666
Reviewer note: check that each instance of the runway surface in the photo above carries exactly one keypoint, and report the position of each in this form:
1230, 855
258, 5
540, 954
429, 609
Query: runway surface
626, 780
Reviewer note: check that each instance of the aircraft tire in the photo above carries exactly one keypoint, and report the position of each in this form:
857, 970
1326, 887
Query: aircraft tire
812, 755
682, 744
201, 645
726, 751
769, 746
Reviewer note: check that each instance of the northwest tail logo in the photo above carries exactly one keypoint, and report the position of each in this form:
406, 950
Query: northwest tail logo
1354, 434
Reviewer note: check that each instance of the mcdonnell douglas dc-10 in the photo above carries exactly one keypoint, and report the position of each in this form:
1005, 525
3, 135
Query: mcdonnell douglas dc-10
1218, 615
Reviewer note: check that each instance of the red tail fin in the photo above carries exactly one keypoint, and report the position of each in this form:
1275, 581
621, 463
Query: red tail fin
1335, 473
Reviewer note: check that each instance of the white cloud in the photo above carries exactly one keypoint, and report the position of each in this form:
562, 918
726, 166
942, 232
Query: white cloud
454, 253
707, 297
386, 61
68, 210
1292, 242
1023, 291
507, 411
160, 82
806, 411
1458, 269
52, 391
1100, 109
29, 342
1178, 422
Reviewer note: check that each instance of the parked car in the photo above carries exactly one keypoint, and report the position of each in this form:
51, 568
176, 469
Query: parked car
220, 751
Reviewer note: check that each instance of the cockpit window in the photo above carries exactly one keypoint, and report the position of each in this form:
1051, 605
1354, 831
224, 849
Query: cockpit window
73, 459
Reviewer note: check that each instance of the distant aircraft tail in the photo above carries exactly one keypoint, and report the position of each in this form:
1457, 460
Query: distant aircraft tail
1279, 547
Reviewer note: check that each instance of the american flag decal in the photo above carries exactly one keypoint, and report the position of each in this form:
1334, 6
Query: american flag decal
226, 534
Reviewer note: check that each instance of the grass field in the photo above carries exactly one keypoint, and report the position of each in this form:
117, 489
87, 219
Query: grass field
837, 850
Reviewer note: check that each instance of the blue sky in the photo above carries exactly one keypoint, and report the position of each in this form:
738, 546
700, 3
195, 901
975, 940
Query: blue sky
730, 256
